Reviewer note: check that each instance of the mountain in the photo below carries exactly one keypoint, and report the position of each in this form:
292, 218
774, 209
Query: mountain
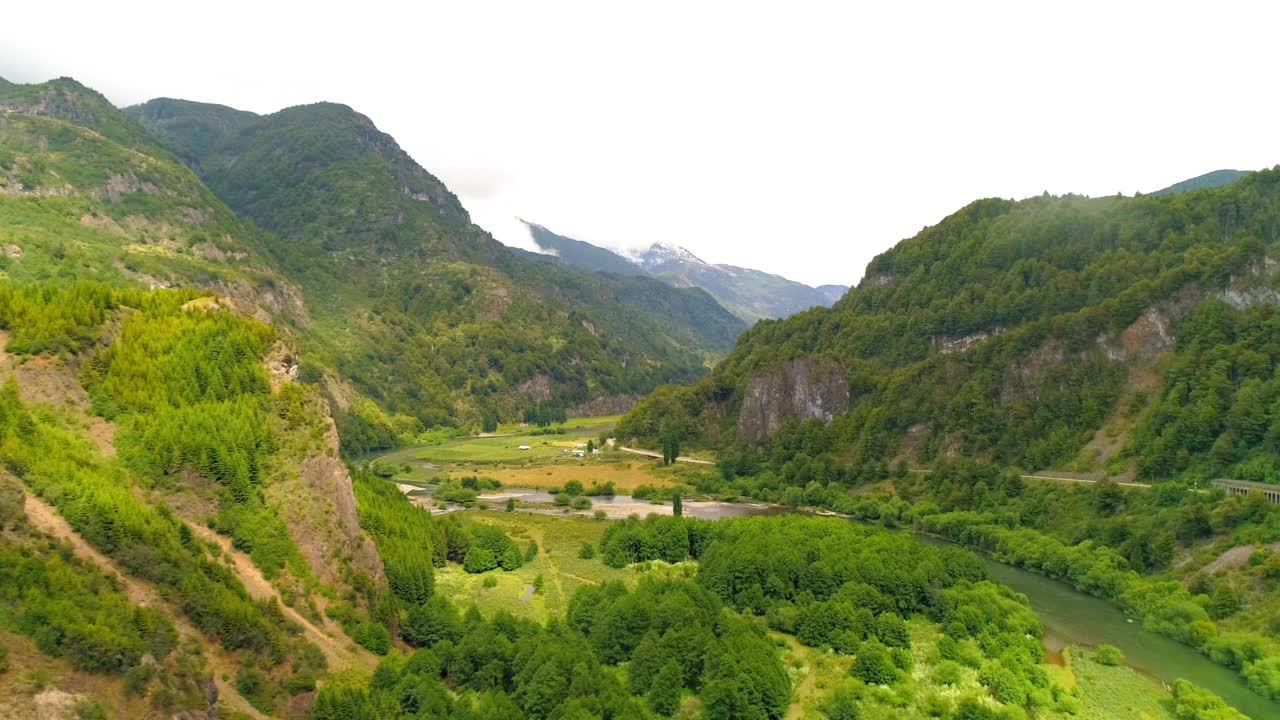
581, 254
87, 193
1001, 378
180, 367
181, 538
832, 293
409, 303
1210, 179
1060, 333
749, 294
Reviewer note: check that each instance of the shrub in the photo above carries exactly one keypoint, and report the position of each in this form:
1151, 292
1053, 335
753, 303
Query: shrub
479, 560
843, 705
948, 672
587, 551
874, 665
1109, 655
1005, 685
511, 558
373, 637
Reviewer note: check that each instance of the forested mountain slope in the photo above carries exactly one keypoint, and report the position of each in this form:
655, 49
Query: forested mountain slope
85, 193
1100, 334
143, 421
1209, 179
411, 303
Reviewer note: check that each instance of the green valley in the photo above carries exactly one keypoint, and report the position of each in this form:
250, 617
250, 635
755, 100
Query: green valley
285, 433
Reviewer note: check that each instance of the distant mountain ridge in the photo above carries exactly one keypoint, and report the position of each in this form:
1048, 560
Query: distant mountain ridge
1216, 178
749, 294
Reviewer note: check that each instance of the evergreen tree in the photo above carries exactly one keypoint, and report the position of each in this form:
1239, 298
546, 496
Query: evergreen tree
664, 692
479, 559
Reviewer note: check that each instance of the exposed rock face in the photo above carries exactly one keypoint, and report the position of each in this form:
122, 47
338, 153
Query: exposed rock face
961, 344
328, 526
537, 387
604, 405
282, 365
1154, 330
1240, 299
803, 388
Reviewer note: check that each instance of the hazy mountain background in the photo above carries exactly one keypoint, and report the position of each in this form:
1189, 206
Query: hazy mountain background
749, 294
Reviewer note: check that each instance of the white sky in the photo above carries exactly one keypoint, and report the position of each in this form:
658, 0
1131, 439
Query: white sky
801, 138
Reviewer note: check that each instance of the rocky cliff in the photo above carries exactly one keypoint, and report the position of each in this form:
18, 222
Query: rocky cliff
800, 389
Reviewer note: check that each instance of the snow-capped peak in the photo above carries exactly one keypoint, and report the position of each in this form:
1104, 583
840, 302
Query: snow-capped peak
659, 254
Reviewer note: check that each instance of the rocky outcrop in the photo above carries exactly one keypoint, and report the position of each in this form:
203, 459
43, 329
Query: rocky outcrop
326, 526
281, 364
948, 345
604, 405
799, 389
537, 388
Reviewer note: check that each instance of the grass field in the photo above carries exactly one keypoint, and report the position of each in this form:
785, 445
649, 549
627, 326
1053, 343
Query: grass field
549, 461
562, 571
625, 474
1117, 692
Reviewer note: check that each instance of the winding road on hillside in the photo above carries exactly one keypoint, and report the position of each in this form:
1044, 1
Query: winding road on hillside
1058, 478
652, 454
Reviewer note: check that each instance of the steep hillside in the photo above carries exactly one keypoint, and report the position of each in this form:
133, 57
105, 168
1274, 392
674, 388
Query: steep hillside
136, 424
1037, 333
989, 374
411, 303
749, 294
86, 194
1210, 179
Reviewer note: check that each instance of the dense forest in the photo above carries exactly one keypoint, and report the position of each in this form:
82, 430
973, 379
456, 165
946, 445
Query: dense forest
1019, 331
449, 324
883, 598
1159, 553
408, 315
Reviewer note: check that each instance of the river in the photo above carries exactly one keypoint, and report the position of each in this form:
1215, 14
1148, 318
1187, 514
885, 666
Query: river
1070, 617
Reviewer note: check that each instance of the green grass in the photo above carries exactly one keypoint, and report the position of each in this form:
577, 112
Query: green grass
563, 572
503, 447
543, 448
548, 463
1117, 691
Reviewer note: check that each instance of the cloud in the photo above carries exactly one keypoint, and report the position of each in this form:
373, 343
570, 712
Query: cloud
801, 140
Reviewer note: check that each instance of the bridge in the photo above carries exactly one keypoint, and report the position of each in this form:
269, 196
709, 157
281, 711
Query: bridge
1245, 487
